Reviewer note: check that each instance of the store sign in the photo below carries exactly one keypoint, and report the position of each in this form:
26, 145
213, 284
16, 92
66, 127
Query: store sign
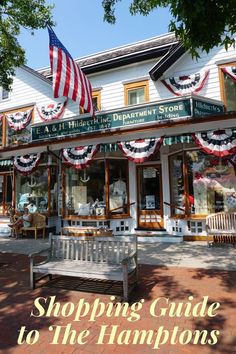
201, 108
130, 118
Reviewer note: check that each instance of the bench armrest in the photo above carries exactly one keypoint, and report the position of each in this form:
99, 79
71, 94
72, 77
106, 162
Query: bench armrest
207, 228
129, 258
32, 255
46, 251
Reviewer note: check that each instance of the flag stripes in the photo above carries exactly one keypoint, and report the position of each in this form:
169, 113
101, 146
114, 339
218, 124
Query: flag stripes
68, 78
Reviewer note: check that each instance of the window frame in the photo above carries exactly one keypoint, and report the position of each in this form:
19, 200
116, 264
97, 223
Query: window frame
97, 95
221, 80
48, 168
2, 90
186, 214
5, 123
136, 85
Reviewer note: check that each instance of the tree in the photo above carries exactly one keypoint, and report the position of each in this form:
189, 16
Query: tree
199, 24
15, 14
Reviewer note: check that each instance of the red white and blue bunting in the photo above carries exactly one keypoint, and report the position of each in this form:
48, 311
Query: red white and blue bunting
51, 111
19, 120
230, 71
26, 164
219, 142
80, 157
184, 85
140, 150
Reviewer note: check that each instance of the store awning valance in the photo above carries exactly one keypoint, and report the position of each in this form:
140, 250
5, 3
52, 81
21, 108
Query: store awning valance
26, 164
217, 142
53, 110
185, 85
81, 156
140, 150
19, 120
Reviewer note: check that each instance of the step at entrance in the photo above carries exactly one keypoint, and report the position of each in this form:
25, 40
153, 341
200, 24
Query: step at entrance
163, 238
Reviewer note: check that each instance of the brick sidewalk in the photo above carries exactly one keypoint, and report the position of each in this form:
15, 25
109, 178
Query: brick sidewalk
176, 284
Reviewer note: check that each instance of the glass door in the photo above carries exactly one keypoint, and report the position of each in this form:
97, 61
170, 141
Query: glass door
150, 204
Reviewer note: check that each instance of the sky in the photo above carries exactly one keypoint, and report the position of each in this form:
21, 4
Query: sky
81, 29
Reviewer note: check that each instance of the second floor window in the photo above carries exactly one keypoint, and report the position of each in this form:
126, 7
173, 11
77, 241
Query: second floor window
4, 94
136, 93
228, 85
96, 97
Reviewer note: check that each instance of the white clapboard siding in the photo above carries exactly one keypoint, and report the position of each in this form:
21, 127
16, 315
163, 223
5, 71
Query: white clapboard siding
28, 89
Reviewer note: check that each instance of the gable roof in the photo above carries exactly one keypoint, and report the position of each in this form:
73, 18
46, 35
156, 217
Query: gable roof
36, 73
124, 55
166, 61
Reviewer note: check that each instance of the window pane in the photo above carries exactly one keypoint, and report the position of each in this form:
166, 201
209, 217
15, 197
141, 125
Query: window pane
1, 133
118, 190
8, 190
53, 189
136, 96
230, 93
15, 137
177, 184
85, 191
5, 94
95, 103
149, 188
211, 184
32, 191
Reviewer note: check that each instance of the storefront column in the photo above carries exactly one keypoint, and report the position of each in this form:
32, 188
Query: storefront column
165, 184
133, 195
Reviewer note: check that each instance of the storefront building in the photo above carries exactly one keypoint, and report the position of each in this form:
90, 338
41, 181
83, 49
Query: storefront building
159, 156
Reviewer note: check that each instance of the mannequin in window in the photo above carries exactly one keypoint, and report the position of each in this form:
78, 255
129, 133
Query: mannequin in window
118, 188
117, 195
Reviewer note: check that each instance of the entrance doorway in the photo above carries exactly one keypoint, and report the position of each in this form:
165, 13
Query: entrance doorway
150, 203
5, 192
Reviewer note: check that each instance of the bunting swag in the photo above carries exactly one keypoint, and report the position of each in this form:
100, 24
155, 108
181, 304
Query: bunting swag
140, 150
184, 85
219, 142
19, 120
81, 156
51, 111
26, 164
230, 71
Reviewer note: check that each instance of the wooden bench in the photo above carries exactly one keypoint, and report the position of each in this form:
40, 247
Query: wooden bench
38, 224
101, 258
221, 228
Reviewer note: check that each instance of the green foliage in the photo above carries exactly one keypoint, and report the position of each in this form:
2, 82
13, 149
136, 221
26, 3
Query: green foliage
15, 14
199, 24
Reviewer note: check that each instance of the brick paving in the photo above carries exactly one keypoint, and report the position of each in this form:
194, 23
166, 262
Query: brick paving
174, 283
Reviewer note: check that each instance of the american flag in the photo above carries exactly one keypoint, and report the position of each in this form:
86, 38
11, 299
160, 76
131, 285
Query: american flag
68, 78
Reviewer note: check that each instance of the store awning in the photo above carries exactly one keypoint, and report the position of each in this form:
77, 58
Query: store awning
177, 139
8, 162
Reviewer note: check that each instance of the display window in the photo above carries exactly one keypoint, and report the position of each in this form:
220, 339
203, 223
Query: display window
1, 130
37, 191
118, 186
18, 126
203, 184
98, 191
177, 184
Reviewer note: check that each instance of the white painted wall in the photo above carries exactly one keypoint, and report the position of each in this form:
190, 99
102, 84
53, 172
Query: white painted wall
28, 89
112, 81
